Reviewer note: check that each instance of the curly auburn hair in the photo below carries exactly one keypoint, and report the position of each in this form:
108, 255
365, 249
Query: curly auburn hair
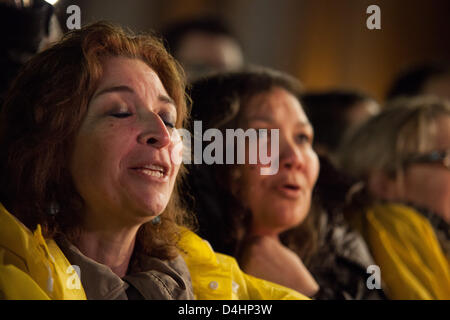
43, 113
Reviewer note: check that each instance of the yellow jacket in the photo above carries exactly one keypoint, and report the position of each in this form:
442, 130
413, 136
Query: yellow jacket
217, 276
34, 268
405, 247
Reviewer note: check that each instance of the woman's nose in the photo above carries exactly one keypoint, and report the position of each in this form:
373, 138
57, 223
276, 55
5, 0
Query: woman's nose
291, 156
155, 132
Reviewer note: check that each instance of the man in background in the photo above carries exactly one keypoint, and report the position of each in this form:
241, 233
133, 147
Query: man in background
26, 27
203, 45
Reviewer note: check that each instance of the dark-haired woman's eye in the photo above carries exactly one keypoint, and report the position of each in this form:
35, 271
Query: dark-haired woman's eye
303, 138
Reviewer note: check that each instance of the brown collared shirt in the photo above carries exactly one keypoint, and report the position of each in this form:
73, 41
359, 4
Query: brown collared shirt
162, 280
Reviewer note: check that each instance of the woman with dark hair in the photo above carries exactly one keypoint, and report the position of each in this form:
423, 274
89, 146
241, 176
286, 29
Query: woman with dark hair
263, 220
89, 157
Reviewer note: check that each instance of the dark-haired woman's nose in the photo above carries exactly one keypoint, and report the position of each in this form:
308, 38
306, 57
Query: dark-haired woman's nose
291, 156
155, 132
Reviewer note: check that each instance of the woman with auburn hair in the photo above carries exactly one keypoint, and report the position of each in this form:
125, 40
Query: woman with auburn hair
89, 161
85, 154
402, 159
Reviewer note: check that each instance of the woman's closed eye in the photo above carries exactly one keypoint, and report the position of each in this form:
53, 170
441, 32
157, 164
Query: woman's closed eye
121, 115
121, 111
168, 120
168, 124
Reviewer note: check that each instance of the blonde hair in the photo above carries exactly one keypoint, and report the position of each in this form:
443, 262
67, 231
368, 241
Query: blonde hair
406, 127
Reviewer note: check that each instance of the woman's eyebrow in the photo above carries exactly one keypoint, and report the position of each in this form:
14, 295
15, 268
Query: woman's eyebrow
122, 88
166, 99
270, 120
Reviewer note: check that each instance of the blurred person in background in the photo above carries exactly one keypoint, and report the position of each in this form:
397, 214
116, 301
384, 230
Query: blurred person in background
203, 45
26, 27
334, 114
402, 203
264, 220
423, 79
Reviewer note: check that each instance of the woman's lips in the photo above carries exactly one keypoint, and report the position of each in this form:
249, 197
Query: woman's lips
152, 172
290, 191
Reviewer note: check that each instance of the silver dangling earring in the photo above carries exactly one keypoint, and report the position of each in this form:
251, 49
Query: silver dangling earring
156, 220
53, 209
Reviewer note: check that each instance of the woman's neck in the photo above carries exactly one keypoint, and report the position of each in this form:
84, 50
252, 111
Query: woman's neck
264, 256
108, 247
265, 232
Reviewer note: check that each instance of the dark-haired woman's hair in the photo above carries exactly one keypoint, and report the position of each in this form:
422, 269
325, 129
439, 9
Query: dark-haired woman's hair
328, 113
411, 81
220, 102
42, 114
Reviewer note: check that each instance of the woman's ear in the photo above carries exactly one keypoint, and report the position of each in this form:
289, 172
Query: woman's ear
382, 187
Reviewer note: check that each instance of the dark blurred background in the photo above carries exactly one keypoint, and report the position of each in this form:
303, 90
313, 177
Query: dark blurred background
323, 43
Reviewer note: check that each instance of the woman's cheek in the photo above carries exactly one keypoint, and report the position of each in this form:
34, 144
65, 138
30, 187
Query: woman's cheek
176, 149
314, 165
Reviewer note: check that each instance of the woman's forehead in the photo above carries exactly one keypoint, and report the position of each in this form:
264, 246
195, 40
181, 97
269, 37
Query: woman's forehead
276, 105
135, 73
431, 133
442, 132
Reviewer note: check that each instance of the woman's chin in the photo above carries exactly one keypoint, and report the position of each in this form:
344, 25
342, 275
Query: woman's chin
149, 204
289, 217
146, 212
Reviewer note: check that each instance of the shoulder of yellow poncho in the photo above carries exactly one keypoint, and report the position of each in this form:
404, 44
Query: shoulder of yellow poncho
217, 276
32, 268
405, 247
